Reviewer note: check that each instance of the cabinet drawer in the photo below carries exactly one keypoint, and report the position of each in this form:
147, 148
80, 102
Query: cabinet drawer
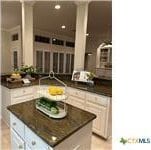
17, 125
21, 92
97, 99
33, 141
77, 93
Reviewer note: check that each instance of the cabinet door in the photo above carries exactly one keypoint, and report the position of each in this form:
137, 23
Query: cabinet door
99, 122
61, 62
16, 142
27, 147
77, 102
46, 62
39, 60
55, 62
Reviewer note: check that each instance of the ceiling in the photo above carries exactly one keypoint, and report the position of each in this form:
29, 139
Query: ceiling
49, 19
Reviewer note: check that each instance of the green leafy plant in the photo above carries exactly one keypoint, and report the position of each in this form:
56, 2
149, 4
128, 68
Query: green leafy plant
28, 69
90, 75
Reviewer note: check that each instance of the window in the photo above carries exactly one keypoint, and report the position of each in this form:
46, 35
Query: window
70, 44
15, 59
47, 62
42, 39
72, 62
57, 41
61, 62
55, 62
67, 63
15, 37
39, 60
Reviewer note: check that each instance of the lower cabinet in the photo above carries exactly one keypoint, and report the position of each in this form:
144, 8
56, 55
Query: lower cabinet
26, 139
14, 96
77, 102
97, 104
22, 138
16, 142
99, 122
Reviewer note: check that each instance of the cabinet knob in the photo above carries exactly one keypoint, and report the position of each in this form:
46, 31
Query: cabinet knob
20, 147
14, 123
33, 143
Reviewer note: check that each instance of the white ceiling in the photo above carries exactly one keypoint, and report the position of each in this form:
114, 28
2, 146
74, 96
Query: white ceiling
49, 19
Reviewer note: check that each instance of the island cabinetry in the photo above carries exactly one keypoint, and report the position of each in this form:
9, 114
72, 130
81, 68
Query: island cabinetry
14, 96
23, 138
100, 105
16, 142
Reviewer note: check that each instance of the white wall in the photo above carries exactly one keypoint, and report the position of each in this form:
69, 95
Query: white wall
5, 52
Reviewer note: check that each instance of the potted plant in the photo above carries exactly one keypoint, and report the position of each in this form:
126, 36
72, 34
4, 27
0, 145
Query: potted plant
90, 76
29, 71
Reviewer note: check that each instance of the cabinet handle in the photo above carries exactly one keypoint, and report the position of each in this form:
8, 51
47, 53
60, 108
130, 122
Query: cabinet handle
14, 123
33, 143
20, 147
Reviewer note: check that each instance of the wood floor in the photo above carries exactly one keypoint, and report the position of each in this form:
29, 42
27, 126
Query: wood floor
97, 142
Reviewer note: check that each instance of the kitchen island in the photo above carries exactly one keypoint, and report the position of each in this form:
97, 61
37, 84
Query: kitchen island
33, 127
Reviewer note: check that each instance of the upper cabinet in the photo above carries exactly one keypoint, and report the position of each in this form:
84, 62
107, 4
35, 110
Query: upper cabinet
104, 61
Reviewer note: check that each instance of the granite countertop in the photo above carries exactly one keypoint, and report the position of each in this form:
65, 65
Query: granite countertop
46, 127
101, 89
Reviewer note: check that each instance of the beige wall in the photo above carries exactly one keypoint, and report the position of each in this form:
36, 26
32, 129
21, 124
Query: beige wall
5, 52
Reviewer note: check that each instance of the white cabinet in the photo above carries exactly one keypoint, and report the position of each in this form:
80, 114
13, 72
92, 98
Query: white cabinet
22, 138
14, 96
99, 122
97, 104
76, 98
17, 125
104, 61
16, 142
28, 140
33, 141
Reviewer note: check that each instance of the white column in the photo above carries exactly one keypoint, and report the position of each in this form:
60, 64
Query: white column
27, 32
80, 40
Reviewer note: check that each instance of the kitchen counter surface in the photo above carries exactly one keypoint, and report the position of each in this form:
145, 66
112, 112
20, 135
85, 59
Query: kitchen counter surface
101, 89
46, 127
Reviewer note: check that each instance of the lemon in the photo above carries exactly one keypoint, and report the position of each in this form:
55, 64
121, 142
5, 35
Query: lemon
53, 90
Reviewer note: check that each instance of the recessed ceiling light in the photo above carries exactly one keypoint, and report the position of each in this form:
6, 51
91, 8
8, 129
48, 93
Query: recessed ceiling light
54, 39
87, 34
89, 54
63, 26
57, 6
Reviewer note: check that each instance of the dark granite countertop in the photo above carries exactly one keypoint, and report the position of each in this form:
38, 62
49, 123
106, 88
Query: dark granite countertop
46, 127
101, 89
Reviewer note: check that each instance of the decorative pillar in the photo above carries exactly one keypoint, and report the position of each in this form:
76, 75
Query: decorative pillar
27, 32
80, 39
